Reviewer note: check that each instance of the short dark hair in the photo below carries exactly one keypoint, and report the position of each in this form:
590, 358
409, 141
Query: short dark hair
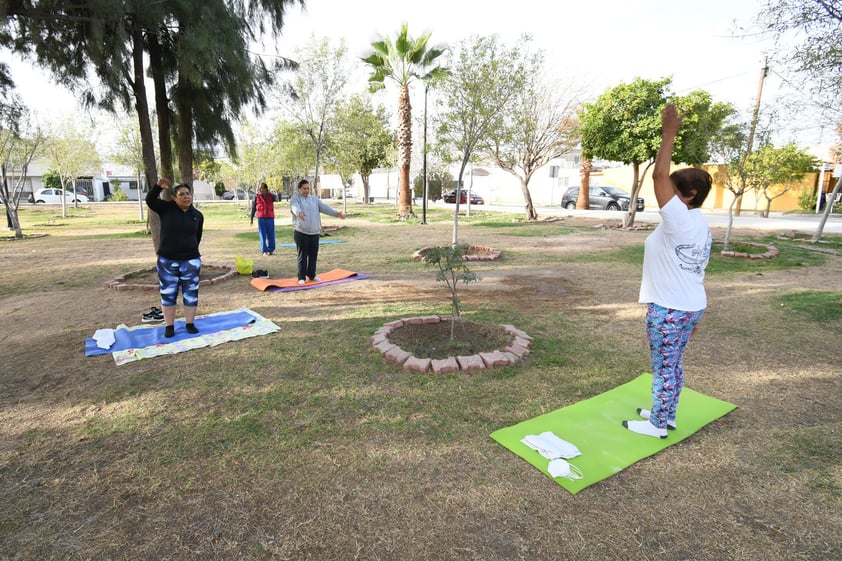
178, 187
693, 182
302, 183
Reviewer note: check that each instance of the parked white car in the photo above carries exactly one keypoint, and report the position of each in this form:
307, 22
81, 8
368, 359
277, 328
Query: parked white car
53, 196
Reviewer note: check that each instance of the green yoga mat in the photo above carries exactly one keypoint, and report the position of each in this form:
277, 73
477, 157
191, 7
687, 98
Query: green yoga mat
595, 427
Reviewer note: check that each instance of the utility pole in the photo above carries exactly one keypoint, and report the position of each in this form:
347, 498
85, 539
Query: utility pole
763, 73
424, 200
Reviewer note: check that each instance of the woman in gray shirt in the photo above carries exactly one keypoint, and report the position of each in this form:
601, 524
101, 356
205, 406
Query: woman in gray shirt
307, 226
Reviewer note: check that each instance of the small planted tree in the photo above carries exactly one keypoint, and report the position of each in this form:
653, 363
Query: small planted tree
452, 270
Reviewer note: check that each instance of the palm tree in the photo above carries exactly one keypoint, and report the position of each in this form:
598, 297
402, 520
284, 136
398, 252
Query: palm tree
402, 60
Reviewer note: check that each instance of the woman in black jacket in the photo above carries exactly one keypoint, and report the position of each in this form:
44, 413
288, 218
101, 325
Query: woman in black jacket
179, 261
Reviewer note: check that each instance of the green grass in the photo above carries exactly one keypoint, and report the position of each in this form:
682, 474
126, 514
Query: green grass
309, 440
817, 306
792, 255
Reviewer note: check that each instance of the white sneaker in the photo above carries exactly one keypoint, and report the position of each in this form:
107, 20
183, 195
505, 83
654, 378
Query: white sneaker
645, 414
301, 281
645, 428
317, 279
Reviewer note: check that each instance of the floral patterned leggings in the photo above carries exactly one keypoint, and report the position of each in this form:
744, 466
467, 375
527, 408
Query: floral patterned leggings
668, 331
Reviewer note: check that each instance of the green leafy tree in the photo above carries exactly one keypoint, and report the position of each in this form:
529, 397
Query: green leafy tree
774, 171
198, 58
20, 142
403, 60
541, 125
438, 178
71, 153
623, 125
292, 150
51, 179
730, 146
478, 92
256, 161
451, 270
128, 151
808, 34
813, 26
313, 93
362, 139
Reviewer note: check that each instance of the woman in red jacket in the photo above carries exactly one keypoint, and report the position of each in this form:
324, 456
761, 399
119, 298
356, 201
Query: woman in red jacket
264, 207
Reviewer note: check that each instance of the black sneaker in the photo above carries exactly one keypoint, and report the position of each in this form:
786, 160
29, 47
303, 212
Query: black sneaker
260, 274
154, 315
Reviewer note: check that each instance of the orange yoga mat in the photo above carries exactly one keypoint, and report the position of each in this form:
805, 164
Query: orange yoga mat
328, 277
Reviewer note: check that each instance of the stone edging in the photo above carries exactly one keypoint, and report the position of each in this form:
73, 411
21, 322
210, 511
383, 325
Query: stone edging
123, 281
509, 356
771, 251
489, 253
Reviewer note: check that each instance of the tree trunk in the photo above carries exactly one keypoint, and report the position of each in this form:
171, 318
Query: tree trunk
828, 207
585, 168
184, 141
455, 240
147, 143
366, 188
531, 213
726, 246
405, 153
162, 107
142, 107
628, 219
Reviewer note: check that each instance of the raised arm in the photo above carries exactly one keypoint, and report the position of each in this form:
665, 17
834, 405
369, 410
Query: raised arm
670, 123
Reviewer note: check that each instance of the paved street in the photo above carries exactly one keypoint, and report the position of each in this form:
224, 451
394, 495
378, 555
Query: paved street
777, 222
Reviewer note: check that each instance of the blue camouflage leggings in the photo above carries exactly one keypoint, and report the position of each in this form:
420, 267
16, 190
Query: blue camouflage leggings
172, 274
668, 331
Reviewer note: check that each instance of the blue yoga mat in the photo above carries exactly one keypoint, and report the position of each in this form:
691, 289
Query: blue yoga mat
140, 336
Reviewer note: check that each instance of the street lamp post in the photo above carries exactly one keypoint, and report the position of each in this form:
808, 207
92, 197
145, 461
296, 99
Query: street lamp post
424, 200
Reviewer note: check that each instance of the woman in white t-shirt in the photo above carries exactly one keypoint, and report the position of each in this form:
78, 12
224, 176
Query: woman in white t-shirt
674, 262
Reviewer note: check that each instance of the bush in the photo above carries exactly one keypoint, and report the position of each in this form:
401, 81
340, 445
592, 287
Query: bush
807, 200
118, 195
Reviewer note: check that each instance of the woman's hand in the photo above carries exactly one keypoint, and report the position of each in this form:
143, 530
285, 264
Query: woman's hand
670, 120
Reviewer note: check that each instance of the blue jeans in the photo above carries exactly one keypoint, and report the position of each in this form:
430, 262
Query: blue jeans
266, 231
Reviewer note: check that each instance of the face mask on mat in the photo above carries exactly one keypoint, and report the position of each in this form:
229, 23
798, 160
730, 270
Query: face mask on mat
563, 468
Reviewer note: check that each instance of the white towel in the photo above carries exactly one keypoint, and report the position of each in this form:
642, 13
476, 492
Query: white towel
551, 446
104, 338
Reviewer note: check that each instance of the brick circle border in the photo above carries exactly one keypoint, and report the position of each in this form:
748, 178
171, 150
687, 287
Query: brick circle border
487, 253
123, 282
512, 354
771, 251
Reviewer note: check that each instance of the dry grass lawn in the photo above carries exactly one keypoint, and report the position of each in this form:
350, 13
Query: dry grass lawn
307, 445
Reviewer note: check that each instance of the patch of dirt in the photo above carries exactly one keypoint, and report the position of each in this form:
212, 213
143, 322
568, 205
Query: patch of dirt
151, 276
433, 340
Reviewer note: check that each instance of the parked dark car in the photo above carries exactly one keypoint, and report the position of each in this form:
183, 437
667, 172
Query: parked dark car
450, 197
605, 197
241, 195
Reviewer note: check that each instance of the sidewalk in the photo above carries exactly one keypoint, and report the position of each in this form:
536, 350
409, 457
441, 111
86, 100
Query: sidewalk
777, 222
